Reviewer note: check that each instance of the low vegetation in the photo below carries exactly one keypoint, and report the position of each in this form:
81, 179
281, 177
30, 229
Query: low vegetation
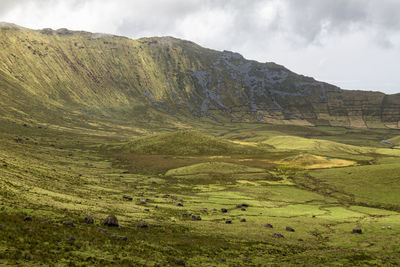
188, 198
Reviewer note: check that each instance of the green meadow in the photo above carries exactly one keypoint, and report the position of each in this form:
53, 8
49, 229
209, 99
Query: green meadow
198, 197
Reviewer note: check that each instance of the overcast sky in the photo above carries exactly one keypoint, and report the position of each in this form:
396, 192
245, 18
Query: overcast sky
354, 44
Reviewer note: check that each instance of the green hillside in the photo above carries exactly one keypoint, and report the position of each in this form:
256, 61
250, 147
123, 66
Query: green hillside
77, 76
184, 143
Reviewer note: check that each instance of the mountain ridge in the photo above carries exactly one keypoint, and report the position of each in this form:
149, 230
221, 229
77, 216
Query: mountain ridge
78, 72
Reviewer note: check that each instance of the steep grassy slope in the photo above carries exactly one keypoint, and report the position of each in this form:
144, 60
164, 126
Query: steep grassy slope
81, 75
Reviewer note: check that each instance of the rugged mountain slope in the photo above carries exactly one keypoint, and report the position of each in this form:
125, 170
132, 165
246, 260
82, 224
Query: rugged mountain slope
79, 74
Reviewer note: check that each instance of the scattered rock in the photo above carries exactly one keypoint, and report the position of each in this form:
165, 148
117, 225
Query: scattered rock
383, 227
69, 223
228, 221
243, 220
289, 229
102, 230
243, 209
279, 235
89, 220
244, 205
357, 231
313, 216
143, 225
174, 197
389, 227
196, 217
27, 219
268, 225
122, 237
224, 210
179, 204
143, 202
180, 262
146, 209
125, 172
111, 220
129, 198
71, 239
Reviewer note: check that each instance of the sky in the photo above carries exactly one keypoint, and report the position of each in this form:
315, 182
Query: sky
354, 44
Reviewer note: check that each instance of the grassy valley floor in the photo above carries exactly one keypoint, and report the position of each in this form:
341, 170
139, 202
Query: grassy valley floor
188, 198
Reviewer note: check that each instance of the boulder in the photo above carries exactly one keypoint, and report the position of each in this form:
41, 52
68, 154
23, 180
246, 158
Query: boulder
122, 237
268, 225
196, 217
357, 231
279, 235
111, 221
289, 229
69, 223
143, 225
129, 198
88, 220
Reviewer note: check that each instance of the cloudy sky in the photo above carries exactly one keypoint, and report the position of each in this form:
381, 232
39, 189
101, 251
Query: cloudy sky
354, 44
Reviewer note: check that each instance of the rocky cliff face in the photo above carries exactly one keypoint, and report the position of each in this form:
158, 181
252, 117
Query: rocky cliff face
85, 72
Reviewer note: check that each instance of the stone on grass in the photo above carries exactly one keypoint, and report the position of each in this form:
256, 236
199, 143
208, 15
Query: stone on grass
243, 220
224, 210
268, 225
279, 235
129, 198
27, 219
289, 229
122, 237
228, 221
357, 231
69, 223
89, 220
143, 225
180, 262
111, 221
196, 217
179, 204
